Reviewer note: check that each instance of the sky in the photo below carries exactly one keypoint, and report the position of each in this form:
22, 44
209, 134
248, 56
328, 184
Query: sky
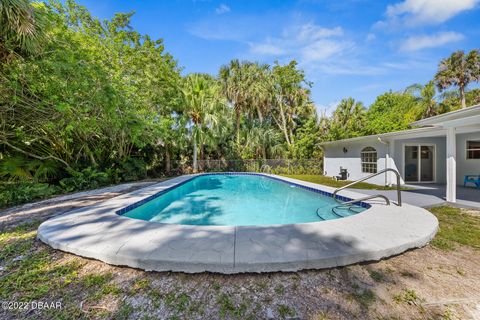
350, 48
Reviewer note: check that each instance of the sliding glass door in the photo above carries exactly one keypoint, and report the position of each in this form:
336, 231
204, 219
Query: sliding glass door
419, 163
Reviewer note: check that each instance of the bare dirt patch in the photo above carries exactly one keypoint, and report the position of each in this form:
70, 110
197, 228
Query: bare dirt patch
427, 283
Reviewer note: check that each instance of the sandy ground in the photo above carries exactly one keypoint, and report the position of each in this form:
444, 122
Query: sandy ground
426, 283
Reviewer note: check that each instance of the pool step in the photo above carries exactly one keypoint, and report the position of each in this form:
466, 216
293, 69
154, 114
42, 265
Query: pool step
339, 211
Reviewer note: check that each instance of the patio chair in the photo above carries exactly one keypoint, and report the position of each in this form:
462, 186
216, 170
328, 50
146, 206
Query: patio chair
475, 179
343, 174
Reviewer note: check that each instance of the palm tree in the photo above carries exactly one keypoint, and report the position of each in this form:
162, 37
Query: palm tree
233, 89
244, 84
201, 104
425, 96
459, 70
290, 98
348, 119
262, 140
21, 27
259, 89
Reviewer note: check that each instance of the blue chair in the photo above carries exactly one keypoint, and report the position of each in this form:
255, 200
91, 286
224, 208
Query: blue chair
472, 179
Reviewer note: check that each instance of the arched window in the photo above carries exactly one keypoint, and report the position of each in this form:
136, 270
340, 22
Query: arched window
369, 160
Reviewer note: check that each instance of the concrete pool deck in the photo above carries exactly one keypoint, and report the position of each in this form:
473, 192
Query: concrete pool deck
98, 232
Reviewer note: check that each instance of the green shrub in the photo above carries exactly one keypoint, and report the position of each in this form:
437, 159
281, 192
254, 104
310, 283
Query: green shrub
132, 169
12, 194
88, 178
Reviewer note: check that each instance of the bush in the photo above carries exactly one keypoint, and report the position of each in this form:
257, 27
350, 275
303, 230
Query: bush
88, 178
132, 169
12, 194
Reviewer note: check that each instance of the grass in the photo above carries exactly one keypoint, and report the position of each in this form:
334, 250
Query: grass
328, 181
377, 276
364, 297
408, 296
285, 311
33, 271
456, 228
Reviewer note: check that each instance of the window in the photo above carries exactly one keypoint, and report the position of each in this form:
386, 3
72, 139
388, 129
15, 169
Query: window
369, 160
473, 149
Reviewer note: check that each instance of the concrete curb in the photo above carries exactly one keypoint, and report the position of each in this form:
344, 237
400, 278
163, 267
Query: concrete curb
98, 232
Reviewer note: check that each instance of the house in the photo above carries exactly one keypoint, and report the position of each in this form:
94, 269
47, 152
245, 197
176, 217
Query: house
440, 149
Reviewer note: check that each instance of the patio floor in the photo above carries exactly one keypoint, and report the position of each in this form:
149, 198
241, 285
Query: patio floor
429, 195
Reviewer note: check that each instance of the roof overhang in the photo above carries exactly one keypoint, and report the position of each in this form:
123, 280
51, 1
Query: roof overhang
458, 118
464, 120
405, 134
425, 132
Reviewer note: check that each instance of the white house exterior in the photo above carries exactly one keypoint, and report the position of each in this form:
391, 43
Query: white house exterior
441, 149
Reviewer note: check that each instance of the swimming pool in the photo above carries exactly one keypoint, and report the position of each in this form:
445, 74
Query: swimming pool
237, 200
104, 232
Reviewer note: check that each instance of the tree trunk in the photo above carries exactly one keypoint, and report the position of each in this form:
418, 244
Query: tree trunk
284, 124
201, 157
195, 151
168, 162
264, 153
462, 97
260, 115
238, 125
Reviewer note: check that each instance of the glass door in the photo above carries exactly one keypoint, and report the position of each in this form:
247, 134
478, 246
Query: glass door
419, 163
426, 164
411, 163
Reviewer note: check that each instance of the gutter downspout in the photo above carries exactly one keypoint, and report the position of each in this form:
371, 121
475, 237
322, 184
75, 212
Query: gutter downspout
388, 179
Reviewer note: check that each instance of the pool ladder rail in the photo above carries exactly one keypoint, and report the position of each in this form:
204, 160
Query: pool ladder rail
351, 203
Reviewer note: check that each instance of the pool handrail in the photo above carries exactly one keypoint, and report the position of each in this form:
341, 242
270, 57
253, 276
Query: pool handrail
399, 191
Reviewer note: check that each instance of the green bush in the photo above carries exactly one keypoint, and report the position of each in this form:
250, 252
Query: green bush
88, 178
132, 169
12, 194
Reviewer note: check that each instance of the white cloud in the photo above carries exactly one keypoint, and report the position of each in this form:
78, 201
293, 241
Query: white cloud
310, 31
370, 37
327, 109
222, 8
415, 43
317, 49
310, 42
266, 49
425, 12
323, 49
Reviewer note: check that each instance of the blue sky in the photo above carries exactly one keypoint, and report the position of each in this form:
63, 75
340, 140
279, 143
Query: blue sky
354, 48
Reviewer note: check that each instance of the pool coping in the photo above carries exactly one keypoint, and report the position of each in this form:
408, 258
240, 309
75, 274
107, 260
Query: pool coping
99, 232
143, 201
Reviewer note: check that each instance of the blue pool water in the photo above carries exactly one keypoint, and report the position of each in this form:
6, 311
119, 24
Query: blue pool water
237, 200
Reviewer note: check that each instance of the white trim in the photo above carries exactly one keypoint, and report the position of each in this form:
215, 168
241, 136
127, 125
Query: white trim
474, 149
419, 158
449, 116
451, 155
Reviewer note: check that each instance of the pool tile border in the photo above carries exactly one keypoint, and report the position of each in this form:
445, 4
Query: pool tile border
98, 232
137, 204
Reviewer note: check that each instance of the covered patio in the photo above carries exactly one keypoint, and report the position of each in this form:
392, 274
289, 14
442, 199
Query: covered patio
452, 123
431, 195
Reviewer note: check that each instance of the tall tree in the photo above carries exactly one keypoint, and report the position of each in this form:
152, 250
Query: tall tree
202, 104
235, 88
347, 119
427, 106
21, 28
459, 70
290, 98
391, 111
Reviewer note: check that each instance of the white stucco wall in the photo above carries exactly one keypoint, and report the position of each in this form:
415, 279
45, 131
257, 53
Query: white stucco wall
336, 158
440, 152
466, 166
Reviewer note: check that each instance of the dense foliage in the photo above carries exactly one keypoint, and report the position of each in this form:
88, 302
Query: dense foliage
85, 103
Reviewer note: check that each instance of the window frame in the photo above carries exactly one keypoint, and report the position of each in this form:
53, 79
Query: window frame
467, 150
369, 160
